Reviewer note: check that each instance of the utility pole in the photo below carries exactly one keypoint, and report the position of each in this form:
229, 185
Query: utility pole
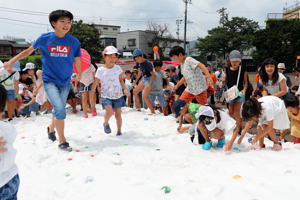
185, 20
178, 22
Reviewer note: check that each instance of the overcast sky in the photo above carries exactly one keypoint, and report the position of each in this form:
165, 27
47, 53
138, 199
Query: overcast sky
131, 14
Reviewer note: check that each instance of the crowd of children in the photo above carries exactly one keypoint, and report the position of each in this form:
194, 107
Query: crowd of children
183, 91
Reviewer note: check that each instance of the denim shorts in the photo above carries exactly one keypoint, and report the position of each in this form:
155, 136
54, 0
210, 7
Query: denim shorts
84, 88
160, 97
57, 96
240, 99
146, 80
10, 189
115, 103
11, 94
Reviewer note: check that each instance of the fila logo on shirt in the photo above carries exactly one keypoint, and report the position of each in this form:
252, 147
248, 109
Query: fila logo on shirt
59, 50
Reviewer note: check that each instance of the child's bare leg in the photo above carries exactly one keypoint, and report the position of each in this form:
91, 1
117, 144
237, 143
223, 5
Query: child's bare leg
146, 93
273, 136
136, 92
217, 134
10, 107
260, 140
188, 118
92, 98
118, 119
85, 102
108, 113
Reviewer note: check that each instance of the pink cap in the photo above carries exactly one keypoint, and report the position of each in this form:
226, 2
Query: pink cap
110, 50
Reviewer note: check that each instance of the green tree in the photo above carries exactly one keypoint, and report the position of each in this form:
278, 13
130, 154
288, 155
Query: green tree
279, 40
89, 38
235, 33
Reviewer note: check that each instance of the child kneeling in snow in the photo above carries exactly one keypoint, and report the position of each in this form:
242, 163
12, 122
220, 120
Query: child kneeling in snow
272, 115
293, 109
216, 123
9, 178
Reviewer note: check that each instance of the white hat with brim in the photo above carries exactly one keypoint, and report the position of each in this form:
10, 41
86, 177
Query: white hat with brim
281, 66
109, 50
29, 66
206, 111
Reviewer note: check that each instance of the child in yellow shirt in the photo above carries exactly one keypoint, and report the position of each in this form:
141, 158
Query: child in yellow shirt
292, 105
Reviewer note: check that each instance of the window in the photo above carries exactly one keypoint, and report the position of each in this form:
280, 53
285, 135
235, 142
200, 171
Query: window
115, 29
105, 28
132, 42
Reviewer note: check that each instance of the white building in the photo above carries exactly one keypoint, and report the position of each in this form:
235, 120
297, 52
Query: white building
130, 40
108, 34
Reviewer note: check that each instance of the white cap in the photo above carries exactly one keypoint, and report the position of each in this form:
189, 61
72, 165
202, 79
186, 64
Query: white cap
206, 111
281, 66
29, 66
110, 50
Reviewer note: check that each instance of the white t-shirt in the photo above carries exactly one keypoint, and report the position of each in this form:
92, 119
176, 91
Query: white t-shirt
227, 124
273, 108
9, 83
219, 75
274, 88
87, 76
193, 76
111, 87
8, 167
128, 84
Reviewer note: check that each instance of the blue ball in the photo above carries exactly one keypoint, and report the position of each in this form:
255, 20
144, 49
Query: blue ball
249, 140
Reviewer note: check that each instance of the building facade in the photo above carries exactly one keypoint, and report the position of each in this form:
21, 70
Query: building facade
9, 48
130, 40
292, 12
108, 34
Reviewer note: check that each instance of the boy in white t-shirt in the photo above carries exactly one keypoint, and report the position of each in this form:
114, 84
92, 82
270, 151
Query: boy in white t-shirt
9, 178
195, 75
10, 77
110, 77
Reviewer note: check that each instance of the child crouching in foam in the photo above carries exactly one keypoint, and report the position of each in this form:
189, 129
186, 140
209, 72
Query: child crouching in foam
272, 115
215, 123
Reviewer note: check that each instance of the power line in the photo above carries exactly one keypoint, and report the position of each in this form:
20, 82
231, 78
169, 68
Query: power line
23, 21
30, 12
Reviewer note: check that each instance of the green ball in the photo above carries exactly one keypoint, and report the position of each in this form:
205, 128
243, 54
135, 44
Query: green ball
166, 189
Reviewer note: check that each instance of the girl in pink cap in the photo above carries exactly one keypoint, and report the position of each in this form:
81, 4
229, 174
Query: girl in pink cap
112, 86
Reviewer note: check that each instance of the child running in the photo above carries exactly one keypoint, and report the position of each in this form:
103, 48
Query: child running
195, 74
110, 77
60, 51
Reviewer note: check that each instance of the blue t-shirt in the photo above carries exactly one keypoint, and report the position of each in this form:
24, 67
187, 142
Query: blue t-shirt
58, 57
146, 67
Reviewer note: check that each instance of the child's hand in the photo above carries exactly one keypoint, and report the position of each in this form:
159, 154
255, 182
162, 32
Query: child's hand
254, 140
126, 92
2, 143
227, 146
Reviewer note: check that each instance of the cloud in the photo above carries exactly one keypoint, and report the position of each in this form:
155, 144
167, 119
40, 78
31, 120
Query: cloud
134, 14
